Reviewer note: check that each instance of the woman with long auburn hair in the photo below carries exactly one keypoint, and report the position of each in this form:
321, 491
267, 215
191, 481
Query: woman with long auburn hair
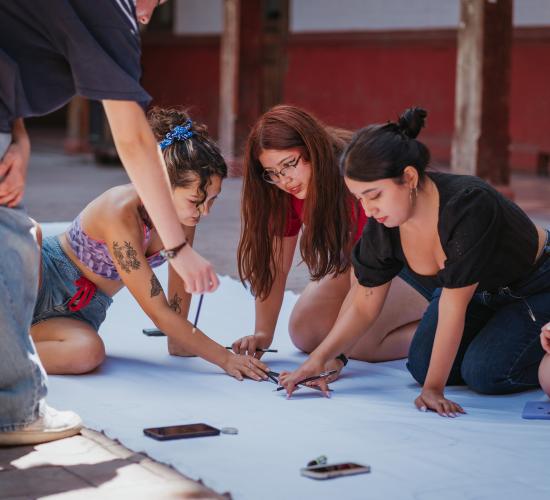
291, 181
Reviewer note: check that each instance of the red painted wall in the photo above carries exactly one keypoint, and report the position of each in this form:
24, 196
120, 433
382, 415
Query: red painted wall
184, 71
352, 79
530, 101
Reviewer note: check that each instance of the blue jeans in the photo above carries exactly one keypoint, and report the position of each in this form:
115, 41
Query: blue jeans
500, 351
22, 378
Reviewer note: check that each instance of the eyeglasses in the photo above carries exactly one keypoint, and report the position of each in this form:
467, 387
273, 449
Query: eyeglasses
274, 176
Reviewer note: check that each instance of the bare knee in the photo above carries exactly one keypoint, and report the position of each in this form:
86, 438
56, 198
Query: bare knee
71, 356
301, 334
544, 374
91, 353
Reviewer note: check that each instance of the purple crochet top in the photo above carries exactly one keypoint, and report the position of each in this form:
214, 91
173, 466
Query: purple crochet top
95, 255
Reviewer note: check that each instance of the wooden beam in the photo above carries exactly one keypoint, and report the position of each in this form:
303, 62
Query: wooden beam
274, 50
480, 144
250, 70
252, 67
229, 62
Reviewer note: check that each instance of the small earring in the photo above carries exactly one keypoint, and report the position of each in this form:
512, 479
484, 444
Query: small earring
413, 193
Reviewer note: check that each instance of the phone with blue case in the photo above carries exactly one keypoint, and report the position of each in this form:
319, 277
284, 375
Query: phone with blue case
537, 410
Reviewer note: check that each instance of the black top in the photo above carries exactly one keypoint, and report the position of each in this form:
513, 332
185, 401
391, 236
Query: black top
51, 50
487, 239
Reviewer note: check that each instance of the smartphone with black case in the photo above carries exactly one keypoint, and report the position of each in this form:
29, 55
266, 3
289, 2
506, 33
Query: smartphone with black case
153, 332
330, 471
181, 431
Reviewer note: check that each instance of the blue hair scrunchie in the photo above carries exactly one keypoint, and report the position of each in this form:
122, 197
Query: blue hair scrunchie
178, 133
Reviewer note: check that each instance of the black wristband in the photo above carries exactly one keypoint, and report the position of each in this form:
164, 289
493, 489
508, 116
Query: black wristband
342, 358
172, 252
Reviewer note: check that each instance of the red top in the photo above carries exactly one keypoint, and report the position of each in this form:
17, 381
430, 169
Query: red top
295, 218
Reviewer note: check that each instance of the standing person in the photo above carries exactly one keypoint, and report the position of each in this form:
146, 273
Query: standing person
292, 182
112, 243
50, 51
474, 254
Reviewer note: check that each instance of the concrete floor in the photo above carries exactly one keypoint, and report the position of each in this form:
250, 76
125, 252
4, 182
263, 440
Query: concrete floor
91, 465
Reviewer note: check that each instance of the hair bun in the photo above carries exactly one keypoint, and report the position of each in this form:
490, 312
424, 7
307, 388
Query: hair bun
412, 121
163, 120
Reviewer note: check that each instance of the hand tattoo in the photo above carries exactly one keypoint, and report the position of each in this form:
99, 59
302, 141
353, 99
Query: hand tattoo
175, 303
156, 287
126, 256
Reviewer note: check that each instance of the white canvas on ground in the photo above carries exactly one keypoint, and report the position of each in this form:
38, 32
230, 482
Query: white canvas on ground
490, 453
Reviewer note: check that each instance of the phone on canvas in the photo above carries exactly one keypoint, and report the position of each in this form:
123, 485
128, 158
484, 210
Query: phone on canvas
153, 332
181, 431
334, 470
537, 410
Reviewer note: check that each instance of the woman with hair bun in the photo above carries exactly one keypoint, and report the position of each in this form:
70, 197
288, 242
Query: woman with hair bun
112, 243
482, 264
292, 183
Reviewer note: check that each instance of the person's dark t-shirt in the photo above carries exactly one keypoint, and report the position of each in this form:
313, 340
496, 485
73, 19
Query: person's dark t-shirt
51, 50
487, 239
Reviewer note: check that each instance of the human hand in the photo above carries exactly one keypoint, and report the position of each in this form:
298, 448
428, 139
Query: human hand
196, 272
310, 368
333, 364
239, 366
249, 344
13, 173
431, 399
545, 337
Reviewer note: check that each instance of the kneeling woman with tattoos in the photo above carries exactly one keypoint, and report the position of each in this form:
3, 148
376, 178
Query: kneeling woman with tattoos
112, 243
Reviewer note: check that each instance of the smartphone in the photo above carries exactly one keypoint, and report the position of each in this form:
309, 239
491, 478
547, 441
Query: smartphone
329, 471
537, 410
153, 332
181, 431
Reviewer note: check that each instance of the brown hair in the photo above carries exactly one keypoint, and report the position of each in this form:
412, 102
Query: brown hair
197, 156
326, 240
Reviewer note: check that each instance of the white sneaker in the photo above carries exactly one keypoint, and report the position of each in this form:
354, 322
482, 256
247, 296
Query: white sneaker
51, 425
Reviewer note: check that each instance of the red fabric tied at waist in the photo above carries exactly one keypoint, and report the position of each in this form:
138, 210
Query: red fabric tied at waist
85, 291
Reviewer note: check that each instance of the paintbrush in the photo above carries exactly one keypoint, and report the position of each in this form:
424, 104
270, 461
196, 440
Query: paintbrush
197, 315
311, 379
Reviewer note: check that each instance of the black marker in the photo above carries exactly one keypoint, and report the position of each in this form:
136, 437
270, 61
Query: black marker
257, 350
311, 379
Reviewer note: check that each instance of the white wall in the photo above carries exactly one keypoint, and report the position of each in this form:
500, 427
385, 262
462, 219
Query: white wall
198, 17
359, 15
532, 12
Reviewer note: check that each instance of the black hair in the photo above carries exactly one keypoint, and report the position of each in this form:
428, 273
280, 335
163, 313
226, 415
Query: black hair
383, 151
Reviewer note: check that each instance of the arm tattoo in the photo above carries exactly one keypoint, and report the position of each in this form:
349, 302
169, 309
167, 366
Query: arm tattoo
126, 256
156, 287
175, 303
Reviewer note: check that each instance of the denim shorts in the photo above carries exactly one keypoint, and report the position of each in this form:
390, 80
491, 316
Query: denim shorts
58, 287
